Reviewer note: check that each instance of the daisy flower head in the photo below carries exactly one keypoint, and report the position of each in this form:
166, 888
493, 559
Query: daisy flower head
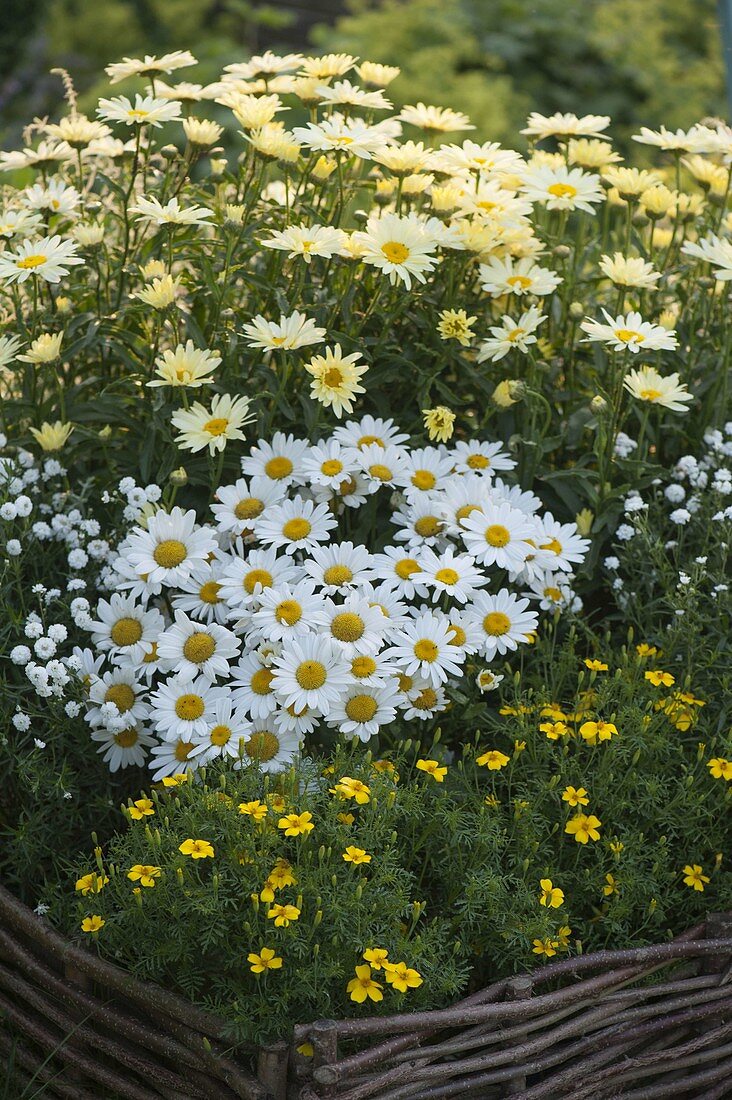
367, 431
562, 542
349, 94
380, 465
450, 573
308, 241
499, 535
422, 700
631, 271
117, 700
354, 626
149, 65
439, 423
565, 125
251, 687
336, 379
311, 672
169, 214
439, 120
286, 612
186, 365
243, 580
629, 332
290, 332
337, 133
200, 595
339, 568
506, 275
225, 735
713, 250
400, 247
425, 648
504, 621
123, 748
423, 470
362, 710
670, 140
195, 648
200, 428
170, 548
125, 629
238, 508
145, 111
511, 335
562, 188
183, 707
176, 757
480, 457
296, 524
420, 522
279, 460
456, 325
646, 384
47, 258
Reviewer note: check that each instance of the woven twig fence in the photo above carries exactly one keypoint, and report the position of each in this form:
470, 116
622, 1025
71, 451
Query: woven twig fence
644, 1023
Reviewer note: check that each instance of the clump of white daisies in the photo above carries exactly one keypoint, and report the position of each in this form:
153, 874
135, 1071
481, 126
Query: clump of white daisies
240, 635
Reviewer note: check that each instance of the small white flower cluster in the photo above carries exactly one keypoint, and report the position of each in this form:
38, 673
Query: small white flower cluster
238, 637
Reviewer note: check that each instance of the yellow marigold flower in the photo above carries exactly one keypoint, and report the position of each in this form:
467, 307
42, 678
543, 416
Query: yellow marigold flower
616, 847
376, 956
554, 730
346, 819
385, 767
281, 875
545, 947
144, 873
575, 796
720, 768
277, 803
296, 824
356, 856
492, 801
563, 935
456, 325
353, 788
267, 959
493, 760
583, 827
694, 877
553, 711
611, 886
432, 767
518, 746
592, 732
550, 895
439, 423
402, 977
594, 665
196, 849
645, 650
175, 780
659, 678
92, 883
52, 437
256, 809
283, 915
363, 986
142, 807
92, 924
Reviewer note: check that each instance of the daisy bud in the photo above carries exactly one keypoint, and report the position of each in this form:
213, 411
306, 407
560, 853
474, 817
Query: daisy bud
170, 152
105, 432
179, 477
576, 310
218, 166
598, 404
562, 251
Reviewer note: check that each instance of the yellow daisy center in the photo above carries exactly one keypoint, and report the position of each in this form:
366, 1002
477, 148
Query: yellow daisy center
126, 632
311, 675
497, 535
426, 650
424, 479
361, 708
296, 529
515, 333
367, 440
199, 647
127, 738
220, 735
189, 707
249, 508
649, 395
216, 426
209, 592
255, 577
562, 190
426, 699
496, 623
29, 262
381, 472
122, 696
395, 252
279, 467
333, 378
262, 746
169, 553
554, 545
458, 635
361, 667
331, 467
405, 568
289, 611
261, 681
465, 511
519, 280
428, 526
628, 334
447, 576
347, 627
183, 750
337, 574
553, 594
478, 462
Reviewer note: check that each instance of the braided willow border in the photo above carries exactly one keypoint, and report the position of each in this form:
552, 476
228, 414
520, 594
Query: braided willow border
83, 1028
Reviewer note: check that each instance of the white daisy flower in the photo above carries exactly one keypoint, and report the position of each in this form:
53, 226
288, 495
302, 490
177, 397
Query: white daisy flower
424, 648
339, 568
311, 672
463, 630
293, 720
523, 499
327, 464
419, 522
507, 275
362, 710
124, 749
563, 542
199, 427
647, 384
224, 737
295, 331
129, 580
57, 197
171, 547
146, 110
296, 524
149, 65
183, 707
713, 250
511, 335
251, 687
372, 669
554, 592
400, 247
380, 465
195, 648
504, 621
170, 213
279, 460
562, 188
387, 599
125, 629
488, 159
423, 470
272, 749
480, 457
237, 508
450, 572
565, 125
174, 757
398, 568
354, 625
369, 429
287, 612
49, 258
200, 595
19, 223
243, 580
463, 494
499, 535
308, 241
423, 701
629, 332
121, 688
336, 132
488, 681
